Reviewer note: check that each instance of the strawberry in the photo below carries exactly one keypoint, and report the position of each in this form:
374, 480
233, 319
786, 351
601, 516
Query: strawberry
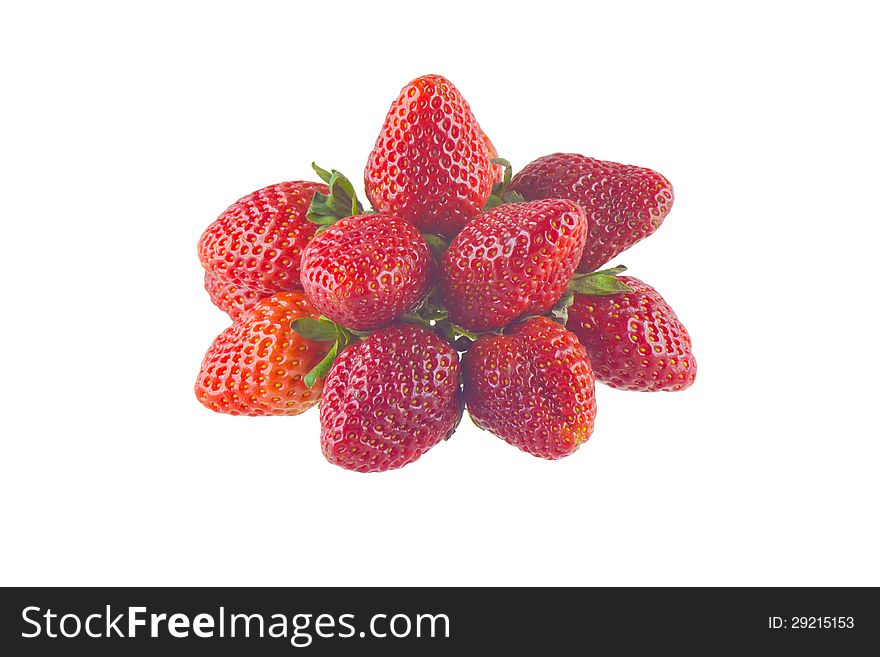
389, 399
430, 164
253, 249
229, 297
257, 366
512, 261
634, 339
362, 271
624, 204
533, 387
366, 271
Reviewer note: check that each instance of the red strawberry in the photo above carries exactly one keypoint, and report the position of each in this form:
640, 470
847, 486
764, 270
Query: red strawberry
430, 164
367, 271
257, 365
634, 339
253, 249
389, 399
532, 386
229, 297
512, 261
624, 204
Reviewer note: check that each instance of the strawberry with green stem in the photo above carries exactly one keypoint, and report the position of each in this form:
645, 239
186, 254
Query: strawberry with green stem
260, 365
633, 337
253, 249
363, 271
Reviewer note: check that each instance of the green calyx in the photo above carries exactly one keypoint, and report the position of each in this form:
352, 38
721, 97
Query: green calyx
437, 244
432, 314
323, 330
454, 334
559, 312
500, 194
326, 209
599, 283
429, 312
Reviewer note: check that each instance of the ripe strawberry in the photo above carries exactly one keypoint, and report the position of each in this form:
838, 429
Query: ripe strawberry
368, 270
257, 365
253, 249
389, 399
512, 261
624, 204
634, 339
532, 386
229, 297
430, 164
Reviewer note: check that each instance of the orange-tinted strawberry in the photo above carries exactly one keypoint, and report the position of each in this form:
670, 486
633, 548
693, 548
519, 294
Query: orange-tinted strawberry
623, 203
512, 261
389, 399
430, 164
366, 271
634, 339
257, 365
253, 249
497, 169
533, 387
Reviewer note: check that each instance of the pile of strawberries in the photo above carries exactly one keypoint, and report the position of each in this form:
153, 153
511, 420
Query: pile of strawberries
367, 312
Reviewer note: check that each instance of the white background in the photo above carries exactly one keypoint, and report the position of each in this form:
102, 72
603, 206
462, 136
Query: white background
125, 131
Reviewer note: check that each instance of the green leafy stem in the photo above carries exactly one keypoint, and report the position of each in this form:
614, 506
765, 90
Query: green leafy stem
342, 201
500, 192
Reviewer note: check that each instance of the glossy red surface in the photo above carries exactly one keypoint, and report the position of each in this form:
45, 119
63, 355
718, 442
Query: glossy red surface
257, 365
533, 387
512, 261
254, 248
430, 164
389, 399
635, 340
366, 271
623, 203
